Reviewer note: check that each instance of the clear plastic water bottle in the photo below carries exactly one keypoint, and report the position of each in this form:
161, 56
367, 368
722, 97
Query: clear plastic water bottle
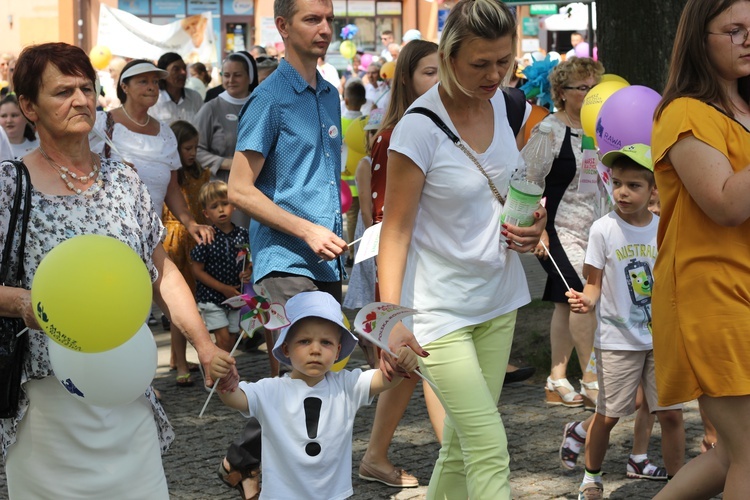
239, 38
527, 182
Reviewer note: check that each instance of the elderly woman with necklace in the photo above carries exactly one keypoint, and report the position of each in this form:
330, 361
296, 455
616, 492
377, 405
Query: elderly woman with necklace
569, 217
114, 452
130, 134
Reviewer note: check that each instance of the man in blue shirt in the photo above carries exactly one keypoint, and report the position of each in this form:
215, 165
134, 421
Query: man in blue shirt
286, 176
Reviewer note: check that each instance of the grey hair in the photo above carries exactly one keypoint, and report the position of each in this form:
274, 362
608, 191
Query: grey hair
488, 19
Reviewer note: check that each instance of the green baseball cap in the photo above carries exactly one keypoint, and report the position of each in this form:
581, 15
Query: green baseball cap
639, 153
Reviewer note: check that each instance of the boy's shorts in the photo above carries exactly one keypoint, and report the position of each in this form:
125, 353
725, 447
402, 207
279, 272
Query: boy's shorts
216, 317
619, 373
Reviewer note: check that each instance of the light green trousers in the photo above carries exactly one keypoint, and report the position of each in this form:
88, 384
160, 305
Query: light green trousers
468, 366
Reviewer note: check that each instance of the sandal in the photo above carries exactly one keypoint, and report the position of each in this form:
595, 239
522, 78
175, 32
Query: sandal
233, 478
192, 368
570, 450
556, 397
589, 400
184, 381
706, 445
641, 470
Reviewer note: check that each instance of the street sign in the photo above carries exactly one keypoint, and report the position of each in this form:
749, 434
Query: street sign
530, 26
543, 9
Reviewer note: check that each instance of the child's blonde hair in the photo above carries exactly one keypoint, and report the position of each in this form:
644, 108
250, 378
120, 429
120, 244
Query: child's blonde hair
211, 191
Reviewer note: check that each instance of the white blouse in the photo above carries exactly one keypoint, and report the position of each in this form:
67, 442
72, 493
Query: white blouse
153, 156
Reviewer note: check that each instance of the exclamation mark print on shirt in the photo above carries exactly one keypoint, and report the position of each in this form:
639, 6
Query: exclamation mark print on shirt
312, 416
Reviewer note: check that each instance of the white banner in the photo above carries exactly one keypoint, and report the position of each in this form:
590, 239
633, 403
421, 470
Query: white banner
128, 36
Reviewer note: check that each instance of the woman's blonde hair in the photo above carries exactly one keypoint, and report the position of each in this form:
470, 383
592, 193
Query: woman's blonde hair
566, 72
488, 19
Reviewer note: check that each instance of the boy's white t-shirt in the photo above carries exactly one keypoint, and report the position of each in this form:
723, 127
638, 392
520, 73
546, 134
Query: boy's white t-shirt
627, 254
458, 273
291, 469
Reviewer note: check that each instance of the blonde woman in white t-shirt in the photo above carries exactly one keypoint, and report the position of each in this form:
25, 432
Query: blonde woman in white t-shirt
443, 252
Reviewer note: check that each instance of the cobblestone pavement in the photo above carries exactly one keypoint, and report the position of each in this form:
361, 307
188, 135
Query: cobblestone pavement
534, 433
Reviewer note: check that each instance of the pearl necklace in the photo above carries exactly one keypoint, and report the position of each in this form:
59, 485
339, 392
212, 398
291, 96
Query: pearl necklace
571, 121
148, 118
64, 173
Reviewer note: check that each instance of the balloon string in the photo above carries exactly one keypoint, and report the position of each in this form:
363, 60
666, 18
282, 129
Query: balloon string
567, 287
242, 332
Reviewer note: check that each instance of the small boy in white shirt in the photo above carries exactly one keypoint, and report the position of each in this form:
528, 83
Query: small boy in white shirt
620, 255
307, 415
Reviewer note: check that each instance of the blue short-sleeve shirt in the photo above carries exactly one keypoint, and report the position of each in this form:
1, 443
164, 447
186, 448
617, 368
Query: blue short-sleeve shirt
297, 130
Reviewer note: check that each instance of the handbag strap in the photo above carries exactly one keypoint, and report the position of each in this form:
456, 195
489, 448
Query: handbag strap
22, 176
109, 126
459, 144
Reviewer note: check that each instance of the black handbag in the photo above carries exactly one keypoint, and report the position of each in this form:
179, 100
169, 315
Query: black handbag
13, 347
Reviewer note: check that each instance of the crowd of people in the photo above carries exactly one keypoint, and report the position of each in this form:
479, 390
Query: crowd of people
235, 186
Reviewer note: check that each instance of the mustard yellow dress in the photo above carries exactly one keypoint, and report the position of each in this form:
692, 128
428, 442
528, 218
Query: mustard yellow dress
178, 241
701, 297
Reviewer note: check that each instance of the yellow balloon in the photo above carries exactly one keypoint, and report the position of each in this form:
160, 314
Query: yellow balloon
355, 136
348, 49
593, 103
340, 365
607, 77
91, 293
388, 70
100, 57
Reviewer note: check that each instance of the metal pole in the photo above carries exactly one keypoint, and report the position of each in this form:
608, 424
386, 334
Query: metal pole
590, 30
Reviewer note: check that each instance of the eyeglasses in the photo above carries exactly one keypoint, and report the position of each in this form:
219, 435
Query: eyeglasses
580, 88
738, 35
261, 59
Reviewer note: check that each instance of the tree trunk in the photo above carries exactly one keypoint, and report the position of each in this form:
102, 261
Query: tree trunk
635, 38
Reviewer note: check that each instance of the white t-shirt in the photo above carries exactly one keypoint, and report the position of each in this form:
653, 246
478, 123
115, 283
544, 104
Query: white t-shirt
6, 152
26, 147
330, 74
154, 156
167, 111
458, 273
627, 254
291, 466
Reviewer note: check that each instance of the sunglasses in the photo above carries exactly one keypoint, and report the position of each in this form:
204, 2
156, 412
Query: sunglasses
261, 59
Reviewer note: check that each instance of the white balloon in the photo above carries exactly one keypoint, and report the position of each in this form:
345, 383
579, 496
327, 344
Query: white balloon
110, 378
554, 56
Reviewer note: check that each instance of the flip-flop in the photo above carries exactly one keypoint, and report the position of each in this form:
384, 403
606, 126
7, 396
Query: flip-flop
184, 381
192, 368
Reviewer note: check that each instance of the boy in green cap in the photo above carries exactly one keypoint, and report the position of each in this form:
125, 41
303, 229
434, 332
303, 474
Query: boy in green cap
620, 256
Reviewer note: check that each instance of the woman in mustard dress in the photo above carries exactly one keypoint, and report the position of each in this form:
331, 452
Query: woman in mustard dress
701, 298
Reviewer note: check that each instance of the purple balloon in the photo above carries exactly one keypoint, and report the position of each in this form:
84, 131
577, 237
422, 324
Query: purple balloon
582, 49
627, 117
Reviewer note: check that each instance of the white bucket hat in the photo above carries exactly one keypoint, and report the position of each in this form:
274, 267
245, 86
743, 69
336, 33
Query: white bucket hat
318, 305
